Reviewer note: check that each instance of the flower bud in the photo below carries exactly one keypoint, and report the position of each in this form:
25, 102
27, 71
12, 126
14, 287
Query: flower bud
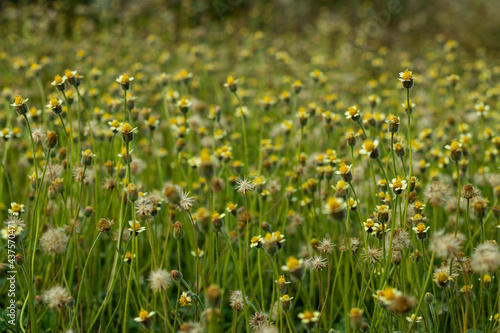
87, 157
51, 140
176, 275
178, 230
429, 298
88, 211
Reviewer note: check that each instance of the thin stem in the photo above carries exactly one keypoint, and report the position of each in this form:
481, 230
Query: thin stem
75, 307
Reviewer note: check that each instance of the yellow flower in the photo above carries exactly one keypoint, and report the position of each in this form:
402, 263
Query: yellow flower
54, 102
68, 74
58, 79
455, 146
292, 264
185, 299
309, 316
144, 316
256, 241
406, 75
124, 79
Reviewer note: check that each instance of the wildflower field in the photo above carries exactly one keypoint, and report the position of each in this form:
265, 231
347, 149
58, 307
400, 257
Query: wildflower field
249, 166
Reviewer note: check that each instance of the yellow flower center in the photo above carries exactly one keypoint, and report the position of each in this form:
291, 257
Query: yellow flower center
382, 208
333, 204
308, 315
486, 278
292, 263
183, 301
125, 79
389, 293
230, 206
58, 79
344, 169
135, 226
369, 146
281, 279
369, 223
16, 208
68, 73
420, 228
5, 131
151, 120
341, 184
143, 314
230, 80
124, 151
19, 99
255, 239
355, 312
454, 146
397, 183
54, 102
126, 128
205, 155
442, 277
352, 111
406, 75
115, 123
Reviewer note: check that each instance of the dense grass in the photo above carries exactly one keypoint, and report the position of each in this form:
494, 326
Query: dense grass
276, 176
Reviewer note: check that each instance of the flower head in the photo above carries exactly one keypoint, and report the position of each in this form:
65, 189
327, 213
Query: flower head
16, 209
353, 113
308, 317
124, 81
245, 185
185, 299
159, 280
144, 316
406, 79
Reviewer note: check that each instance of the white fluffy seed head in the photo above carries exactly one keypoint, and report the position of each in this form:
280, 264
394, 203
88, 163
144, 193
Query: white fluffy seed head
159, 280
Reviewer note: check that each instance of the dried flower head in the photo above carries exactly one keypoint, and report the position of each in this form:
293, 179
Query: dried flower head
159, 280
56, 297
486, 258
54, 241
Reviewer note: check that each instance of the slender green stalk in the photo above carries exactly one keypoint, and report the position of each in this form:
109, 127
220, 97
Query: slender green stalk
31, 251
240, 277
410, 163
75, 307
243, 129
458, 198
429, 273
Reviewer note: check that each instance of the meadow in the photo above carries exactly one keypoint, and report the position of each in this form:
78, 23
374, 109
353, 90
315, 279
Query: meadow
233, 166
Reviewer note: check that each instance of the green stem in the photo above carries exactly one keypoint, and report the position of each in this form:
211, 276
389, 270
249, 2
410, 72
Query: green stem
240, 277
75, 307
